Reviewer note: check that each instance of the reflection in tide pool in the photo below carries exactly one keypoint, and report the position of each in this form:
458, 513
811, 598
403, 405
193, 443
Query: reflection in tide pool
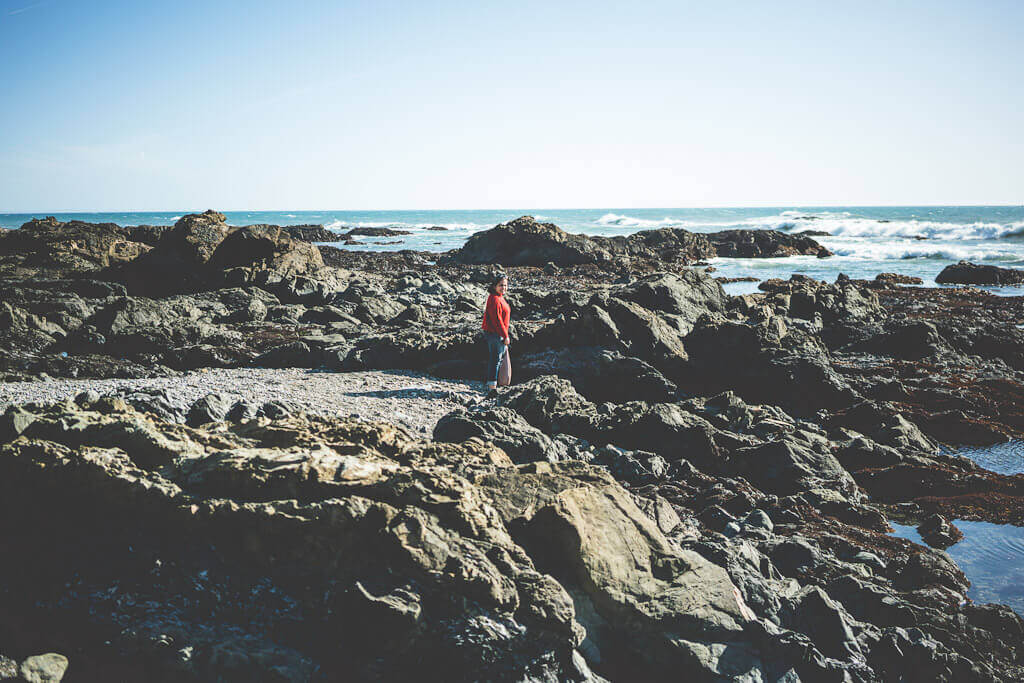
1003, 458
992, 557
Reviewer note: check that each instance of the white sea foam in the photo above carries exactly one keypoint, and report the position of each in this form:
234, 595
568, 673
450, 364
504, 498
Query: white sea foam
631, 222
838, 224
913, 249
862, 227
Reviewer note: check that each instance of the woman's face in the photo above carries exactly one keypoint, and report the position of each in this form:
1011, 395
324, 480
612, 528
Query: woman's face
502, 286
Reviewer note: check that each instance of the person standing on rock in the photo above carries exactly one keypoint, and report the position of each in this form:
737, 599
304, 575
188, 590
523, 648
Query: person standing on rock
496, 318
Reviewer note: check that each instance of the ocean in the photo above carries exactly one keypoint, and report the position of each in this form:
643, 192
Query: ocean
912, 240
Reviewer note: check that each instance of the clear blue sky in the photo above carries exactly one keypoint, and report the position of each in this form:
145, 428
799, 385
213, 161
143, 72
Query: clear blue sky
361, 105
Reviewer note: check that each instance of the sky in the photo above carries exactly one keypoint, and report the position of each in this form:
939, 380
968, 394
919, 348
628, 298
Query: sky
125, 105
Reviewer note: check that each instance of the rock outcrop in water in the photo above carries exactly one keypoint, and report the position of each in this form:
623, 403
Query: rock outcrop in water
526, 242
764, 244
680, 480
967, 273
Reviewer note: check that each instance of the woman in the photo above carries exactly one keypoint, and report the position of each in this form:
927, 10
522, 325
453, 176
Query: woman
496, 318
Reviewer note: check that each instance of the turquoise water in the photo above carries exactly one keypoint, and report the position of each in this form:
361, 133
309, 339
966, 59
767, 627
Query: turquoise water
992, 557
866, 240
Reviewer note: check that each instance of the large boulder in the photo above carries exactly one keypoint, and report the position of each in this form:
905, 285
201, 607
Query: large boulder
502, 427
764, 244
967, 273
688, 294
527, 242
178, 261
192, 240
46, 246
202, 252
638, 596
266, 247
598, 374
764, 361
804, 297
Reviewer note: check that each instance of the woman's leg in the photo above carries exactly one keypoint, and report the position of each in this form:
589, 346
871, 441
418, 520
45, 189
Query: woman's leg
496, 349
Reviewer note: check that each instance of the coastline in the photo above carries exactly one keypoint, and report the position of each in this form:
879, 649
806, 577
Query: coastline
749, 450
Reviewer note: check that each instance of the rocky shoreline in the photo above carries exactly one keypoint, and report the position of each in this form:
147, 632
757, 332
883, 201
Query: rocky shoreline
678, 479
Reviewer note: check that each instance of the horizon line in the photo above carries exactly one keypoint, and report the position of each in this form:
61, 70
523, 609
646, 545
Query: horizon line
524, 208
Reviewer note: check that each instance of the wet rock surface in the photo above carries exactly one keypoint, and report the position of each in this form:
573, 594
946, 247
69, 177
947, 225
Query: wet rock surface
680, 480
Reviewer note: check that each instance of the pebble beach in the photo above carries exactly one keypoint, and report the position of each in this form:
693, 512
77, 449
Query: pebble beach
410, 400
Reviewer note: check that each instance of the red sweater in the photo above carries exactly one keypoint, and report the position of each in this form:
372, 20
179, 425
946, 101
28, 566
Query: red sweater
496, 315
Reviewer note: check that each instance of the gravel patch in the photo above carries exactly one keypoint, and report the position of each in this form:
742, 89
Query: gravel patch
404, 398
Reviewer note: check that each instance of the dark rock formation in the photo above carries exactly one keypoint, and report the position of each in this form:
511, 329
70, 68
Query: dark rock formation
679, 480
898, 279
338, 549
376, 232
764, 244
525, 242
966, 273
311, 233
49, 246
202, 252
938, 532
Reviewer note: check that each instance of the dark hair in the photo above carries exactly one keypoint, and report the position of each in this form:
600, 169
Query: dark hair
493, 287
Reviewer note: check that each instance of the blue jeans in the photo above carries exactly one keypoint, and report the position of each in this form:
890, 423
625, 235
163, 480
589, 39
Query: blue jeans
496, 349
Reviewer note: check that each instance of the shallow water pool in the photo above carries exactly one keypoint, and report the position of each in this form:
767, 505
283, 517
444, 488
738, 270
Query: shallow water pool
992, 557
1002, 458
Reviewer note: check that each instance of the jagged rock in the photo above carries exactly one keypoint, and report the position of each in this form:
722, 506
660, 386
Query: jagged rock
502, 427
939, 532
786, 467
376, 232
933, 568
689, 295
818, 616
155, 401
8, 668
909, 339
295, 354
266, 247
598, 374
310, 233
14, 421
764, 244
46, 668
885, 425
388, 554
631, 586
805, 297
525, 242
178, 261
967, 273
210, 408
764, 362
202, 252
52, 248
633, 467
898, 279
